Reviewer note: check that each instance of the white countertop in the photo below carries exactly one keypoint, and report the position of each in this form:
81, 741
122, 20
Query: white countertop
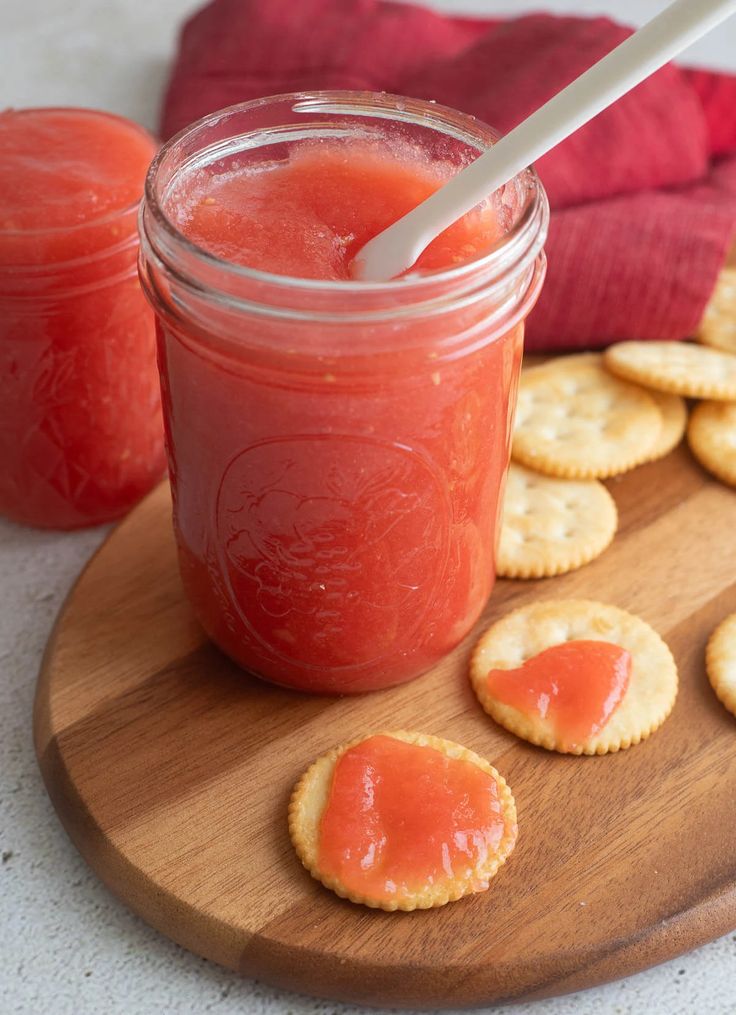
67, 947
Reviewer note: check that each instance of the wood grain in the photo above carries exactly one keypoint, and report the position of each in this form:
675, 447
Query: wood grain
171, 771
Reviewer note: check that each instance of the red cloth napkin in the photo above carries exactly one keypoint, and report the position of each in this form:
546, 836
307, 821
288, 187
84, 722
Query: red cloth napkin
643, 197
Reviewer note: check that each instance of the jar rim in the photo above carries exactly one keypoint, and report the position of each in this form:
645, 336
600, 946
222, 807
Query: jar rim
378, 104
115, 214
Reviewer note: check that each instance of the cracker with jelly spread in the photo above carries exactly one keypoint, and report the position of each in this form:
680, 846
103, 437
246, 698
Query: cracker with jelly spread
718, 327
674, 423
576, 421
711, 435
551, 526
720, 662
681, 368
401, 821
575, 676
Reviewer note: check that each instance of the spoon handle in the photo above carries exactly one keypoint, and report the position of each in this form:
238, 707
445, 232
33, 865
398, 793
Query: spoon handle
678, 26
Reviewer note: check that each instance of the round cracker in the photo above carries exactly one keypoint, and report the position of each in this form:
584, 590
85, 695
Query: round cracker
526, 632
674, 423
680, 368
310, 797
551, 526
718, 327
720, 662
576, 421
711, 435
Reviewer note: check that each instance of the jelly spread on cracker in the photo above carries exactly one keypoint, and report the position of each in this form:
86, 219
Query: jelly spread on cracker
401, 816
576, 686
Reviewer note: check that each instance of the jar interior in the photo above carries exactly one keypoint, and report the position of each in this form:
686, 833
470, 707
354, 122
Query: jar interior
431, 157
266, 134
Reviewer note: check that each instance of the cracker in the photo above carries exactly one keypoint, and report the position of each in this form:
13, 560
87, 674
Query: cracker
574, 420
680, 368
310, 797
551, 526
711, 435
674, 423
720, 662
718, 327
526, 632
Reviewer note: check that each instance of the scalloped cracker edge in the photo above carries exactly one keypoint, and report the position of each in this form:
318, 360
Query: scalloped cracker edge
529, 630
720, 662
711, 435
552, 526
309, 799
574, 420
718, 326
681, 368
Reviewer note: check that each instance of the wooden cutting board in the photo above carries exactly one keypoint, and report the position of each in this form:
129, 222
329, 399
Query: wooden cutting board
171, 770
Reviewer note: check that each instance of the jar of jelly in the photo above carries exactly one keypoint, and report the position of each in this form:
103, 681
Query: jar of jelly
81, 437
337, 449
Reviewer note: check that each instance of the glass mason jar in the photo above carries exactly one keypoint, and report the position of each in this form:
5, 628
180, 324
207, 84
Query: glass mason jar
81, 438
337, 450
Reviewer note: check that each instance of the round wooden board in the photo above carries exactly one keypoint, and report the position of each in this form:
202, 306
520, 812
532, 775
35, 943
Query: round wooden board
171, 770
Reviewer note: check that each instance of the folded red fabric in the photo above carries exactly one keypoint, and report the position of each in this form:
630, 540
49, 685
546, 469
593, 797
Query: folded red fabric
643, 197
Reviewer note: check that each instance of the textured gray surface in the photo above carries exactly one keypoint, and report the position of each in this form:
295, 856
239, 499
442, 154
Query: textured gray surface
68, 947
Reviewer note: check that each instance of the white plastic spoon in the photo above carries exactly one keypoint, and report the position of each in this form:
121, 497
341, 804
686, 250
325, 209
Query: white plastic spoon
678, 26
